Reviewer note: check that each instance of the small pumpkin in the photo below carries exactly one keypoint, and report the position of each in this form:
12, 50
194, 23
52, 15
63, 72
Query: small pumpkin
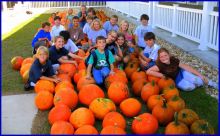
64, 77
154, 100
176, 103
84, 81
86, 130
44, 85
153, 78
44, 100
165, 83
63, 84
127, 109
170, 92
79, 74
137, 86
67, 68
130, 68
187, 116
113, 130
148, 90
27, 60
115, 78
62, 127
16, 62
138, 75
201, 127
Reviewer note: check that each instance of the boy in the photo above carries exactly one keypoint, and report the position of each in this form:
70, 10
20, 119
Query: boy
149, 55
58, 54
76, 33
69, 18
141, 30
57, 28
112, 24
87, 27
41, 69
82, 16
42, 37
102, 65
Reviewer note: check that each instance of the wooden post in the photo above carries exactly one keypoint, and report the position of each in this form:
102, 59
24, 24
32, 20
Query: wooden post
5, 7
174, 24
207, 8
154, 14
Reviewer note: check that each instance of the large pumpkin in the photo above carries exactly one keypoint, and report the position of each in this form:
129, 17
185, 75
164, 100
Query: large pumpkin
81, 66
138, 75
176, 103
27, 60
44, 100
144, 124
90, 92
170, 92
154, 100
86, 130
25, 67
153, 78
84, 81
44, 85
127, 109
101, 106
118, 92
148, 90
25, 76
60, 112
78, 75
64, 77
115, 78
114, 118
187, 116
137, 86
165, 83
164, 113
176, 127
201, 127
66, 96
82, 116
67, 68
62, 127
16, 62
110, 130
63, 84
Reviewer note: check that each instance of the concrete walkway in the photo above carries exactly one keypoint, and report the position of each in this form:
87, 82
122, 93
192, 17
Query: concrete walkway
18, 112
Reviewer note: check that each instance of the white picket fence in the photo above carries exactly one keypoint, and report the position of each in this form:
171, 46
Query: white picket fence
181, 21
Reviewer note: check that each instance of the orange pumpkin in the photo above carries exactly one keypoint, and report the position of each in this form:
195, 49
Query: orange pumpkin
82, 66
131, 68
67, 68
176, 103
63, 84
128, 110
153, 78
154, 100
138, 75
115, 78
148, 90
16, 62
86, 130
90, 92
144, 124
187, 116
44, 100
79, 74
112, 130
25, 67
60, 112
64, 77
81, 53
27, 60
119, 72
66, 96
164, 113
165, 83
101, 106
44, 85
138, 85
62, 127
114, 118
82, 116
170, 92
84, 81
25, 76
118, 92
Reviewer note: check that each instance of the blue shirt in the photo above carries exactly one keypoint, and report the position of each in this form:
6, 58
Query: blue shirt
37, 70
55, 54
108, 27
86, 28
140, 31
93, 34
41, 34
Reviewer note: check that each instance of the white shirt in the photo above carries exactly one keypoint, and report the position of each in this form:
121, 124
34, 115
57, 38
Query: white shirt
153, 51
71, 46
55, 31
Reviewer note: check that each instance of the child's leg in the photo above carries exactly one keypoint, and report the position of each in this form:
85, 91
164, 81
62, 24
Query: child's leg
185, 85
105, 72
192, 78
97, 76
55, 67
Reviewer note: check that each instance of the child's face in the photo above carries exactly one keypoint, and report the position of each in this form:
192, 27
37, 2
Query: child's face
124, 27
70, 11
120, 40
101, 44
83, 9
90, 14
144, 22
130, 44
96, 26
57, 22
113, 21
53, 15
76, 22
89, 21
150, 42
164, 57
42, 56
59, 43
46, 28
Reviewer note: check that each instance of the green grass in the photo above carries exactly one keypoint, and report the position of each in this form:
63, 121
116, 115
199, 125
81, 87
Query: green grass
18, 44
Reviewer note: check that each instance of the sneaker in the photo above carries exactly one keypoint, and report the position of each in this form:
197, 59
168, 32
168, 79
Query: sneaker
28, 87
213, 84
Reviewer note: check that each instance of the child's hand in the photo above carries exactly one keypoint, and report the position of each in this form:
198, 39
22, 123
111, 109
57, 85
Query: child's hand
56, 80
204, 79
88, 76
112, 72
75, 63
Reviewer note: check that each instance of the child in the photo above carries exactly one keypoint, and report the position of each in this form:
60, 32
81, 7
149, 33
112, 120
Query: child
69, 18
57, 28
142, 30
41, 69
51, 19
185, 77
91, 12
149, 55
102, 65
110, 41
132, 48
42, 37
58, 54
82, 16
124, 29
76, 33
87, 27
112, 24
96, 30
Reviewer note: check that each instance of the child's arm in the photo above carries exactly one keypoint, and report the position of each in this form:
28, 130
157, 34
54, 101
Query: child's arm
52, 79
88, 72
61, 60
154, 71
112, 69
144, 58
74, 56
120, 54
90, 42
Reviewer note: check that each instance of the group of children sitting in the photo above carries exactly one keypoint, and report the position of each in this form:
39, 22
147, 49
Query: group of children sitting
109, 45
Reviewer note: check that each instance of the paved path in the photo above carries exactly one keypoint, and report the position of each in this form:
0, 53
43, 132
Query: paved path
18, 112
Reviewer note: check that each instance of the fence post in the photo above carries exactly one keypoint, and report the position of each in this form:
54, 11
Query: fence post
207, 8
68, 4
154, 14
150, 12
5, 7
49, 4
174, 24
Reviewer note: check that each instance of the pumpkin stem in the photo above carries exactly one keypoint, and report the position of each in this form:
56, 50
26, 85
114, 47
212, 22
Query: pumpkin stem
172, 86
138, 69
153, 82
138, 118
175, 98
176, 118
164, 104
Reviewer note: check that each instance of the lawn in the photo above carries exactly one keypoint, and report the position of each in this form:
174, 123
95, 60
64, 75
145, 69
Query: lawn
19, 44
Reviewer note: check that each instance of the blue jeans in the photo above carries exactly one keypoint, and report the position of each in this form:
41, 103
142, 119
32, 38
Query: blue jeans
187, 81
100, 74
150, 64
82, 24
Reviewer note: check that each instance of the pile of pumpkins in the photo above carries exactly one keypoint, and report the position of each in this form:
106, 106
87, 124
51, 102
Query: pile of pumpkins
161, 97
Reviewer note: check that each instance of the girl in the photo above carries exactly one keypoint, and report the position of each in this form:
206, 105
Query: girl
185, 77
124, 29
